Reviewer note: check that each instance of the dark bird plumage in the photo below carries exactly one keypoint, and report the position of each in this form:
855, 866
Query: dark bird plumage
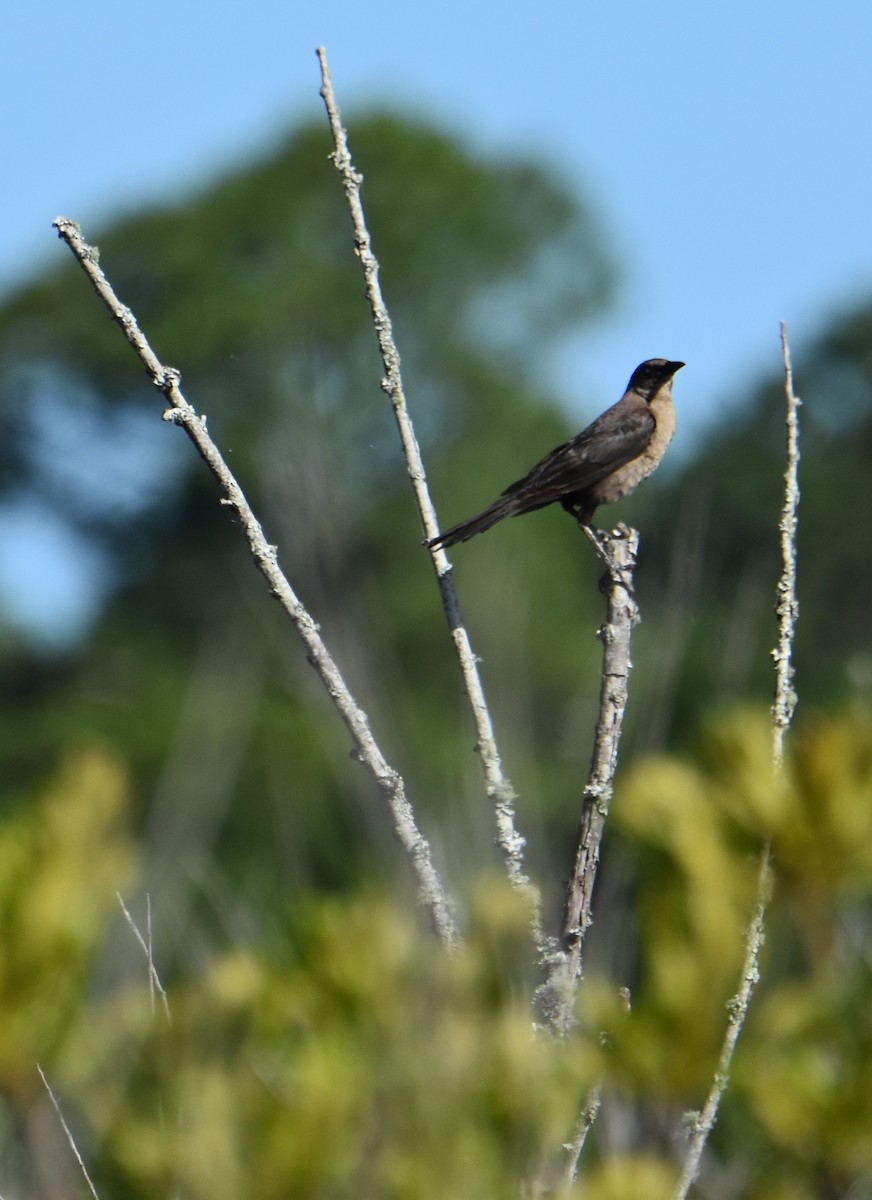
605, 462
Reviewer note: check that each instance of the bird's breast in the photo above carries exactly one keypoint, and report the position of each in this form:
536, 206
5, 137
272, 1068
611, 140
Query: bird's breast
627, 478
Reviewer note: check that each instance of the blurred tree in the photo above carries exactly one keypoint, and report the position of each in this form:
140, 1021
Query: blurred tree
241, 781
62, 860
252, 289
711, 549
796, 1117
358, 1058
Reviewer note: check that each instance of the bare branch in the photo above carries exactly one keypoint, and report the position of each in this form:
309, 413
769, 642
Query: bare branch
167, 380
66, 1130
787, 608
499, 788
618, 552
787, 611
583, 1126
622, 614
703, 1123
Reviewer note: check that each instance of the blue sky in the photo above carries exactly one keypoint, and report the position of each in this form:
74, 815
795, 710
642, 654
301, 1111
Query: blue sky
725, 147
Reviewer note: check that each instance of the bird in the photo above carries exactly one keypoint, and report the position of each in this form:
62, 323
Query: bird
605, 462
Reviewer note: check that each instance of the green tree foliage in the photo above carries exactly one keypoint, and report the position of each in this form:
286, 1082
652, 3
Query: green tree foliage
358, 1058
374, 1064
62, 859
798, 1111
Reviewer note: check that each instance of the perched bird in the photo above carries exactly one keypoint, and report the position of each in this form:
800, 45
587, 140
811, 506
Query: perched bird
603, 463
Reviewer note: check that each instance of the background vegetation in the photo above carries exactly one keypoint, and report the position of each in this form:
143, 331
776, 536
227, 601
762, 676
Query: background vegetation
319, 1044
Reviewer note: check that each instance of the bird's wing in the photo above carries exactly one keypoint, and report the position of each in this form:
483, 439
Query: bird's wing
608, 443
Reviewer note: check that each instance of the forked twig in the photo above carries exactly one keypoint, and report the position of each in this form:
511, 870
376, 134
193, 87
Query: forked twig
555, 999
154, 983
431, 892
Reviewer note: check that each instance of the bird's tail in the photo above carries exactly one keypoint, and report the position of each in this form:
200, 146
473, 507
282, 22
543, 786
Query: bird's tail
506, 506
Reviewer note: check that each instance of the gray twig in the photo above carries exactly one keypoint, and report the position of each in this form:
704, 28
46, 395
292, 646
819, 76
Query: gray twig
431, 892
787, 611
787, 607
154, 983
702, 1123
617, 550
66, 1129
556, 997
499, 788
583, 1126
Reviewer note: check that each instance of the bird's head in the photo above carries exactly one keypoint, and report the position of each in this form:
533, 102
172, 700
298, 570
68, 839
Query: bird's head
651, 376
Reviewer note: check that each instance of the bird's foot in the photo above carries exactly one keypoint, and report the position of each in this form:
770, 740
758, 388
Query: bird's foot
618, 573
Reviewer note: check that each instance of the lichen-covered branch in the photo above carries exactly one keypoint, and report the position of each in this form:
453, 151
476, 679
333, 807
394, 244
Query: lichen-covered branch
499, 788
167, 380
787, 606
787, 611
617, 550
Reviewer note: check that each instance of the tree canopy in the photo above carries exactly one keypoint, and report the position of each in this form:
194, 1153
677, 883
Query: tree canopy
183, 747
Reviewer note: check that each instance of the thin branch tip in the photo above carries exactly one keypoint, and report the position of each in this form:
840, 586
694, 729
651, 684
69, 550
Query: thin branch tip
783, 708
497, 787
